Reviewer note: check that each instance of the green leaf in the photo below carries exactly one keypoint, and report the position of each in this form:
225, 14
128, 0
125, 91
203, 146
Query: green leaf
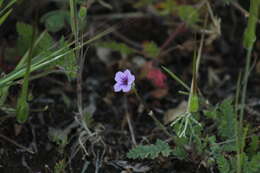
229, 147
82, 12
163, 147
180, 153
54, 21
39, 62
212, 113
115, 46
167, 7
226, 119
25, 33
252, 166
151, 49
22, 110
214, 147
150, 151
188, 14
223, 164
254, 145
44, 45
1, 2
3, 95
68, 63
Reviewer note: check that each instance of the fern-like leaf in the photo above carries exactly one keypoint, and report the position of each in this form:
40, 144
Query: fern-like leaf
223, 164
226, 119
150, 151
252, 166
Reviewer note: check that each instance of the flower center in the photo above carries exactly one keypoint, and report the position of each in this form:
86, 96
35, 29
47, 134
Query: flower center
124, 80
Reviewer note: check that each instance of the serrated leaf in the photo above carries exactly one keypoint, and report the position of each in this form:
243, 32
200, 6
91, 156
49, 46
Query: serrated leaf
163, 147
223, 164
254, 145
252, 166
120, 47
68, 63
212, 113
180, 153
229, 147
150, 151
226, 119
214, 147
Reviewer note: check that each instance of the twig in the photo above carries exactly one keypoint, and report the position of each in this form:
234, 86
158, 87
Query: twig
180, 28
16, 144
127, 40
239, 8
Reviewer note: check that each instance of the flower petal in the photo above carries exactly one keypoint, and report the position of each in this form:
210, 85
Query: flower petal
131, 79
127, 73
119, 76
126, 88
117, 87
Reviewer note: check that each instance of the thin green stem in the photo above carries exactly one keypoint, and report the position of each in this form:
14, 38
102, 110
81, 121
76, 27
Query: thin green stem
248, 42
244, 88
238, 167
151, 114
242, 110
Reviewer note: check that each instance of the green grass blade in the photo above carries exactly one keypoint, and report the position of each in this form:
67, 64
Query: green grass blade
176, 78
2, 12
4, 17
39, 62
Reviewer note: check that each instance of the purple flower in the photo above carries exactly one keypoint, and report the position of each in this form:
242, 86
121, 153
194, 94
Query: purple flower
124, 81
